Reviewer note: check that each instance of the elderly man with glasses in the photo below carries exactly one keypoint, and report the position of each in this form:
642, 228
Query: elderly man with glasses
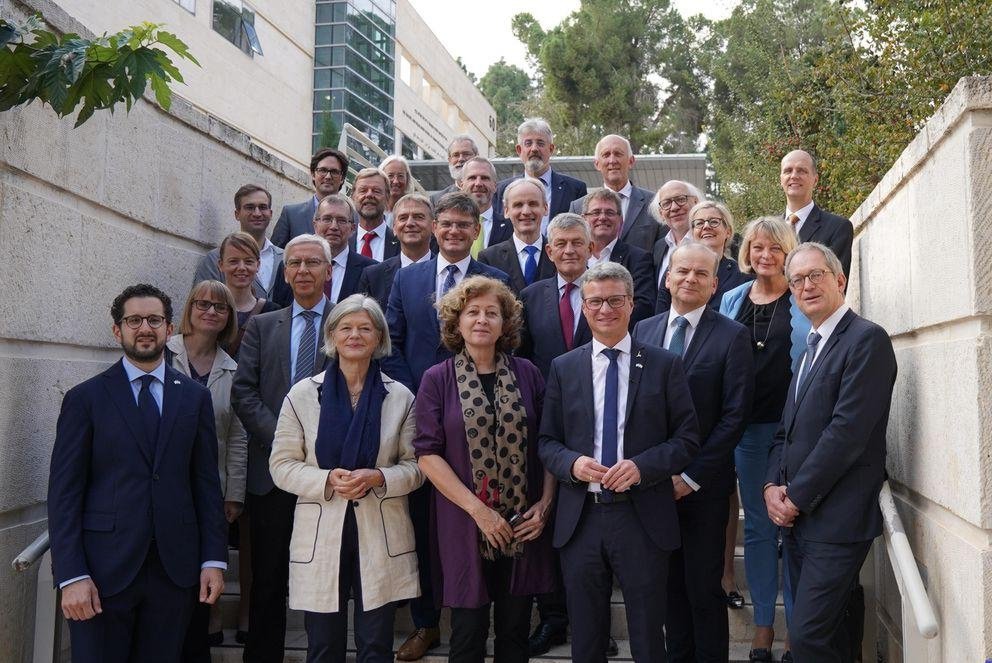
671, 209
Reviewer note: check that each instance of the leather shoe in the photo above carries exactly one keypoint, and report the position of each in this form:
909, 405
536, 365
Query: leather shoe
787, 657
611, 648
734, 600
419, 643
544, 637
760, 655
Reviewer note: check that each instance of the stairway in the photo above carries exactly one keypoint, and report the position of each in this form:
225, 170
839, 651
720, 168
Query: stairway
741, 625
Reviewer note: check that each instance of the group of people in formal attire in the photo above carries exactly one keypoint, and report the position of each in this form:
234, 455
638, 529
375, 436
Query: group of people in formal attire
508, 392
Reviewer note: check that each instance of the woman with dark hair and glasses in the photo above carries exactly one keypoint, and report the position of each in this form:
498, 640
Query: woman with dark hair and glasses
208, 323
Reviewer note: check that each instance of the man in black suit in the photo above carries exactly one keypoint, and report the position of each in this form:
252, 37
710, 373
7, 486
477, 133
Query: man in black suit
798, 177
279, 349
614, 159
522, 256
827, 461
461, 148
671, 208
601, 210
413, 215
478, 179
535, 145
716, 352
135, 513
618, 423
328, 170
373, 238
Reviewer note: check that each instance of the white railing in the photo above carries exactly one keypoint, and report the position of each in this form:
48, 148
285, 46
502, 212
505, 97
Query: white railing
46, 617
919, 622
358, 158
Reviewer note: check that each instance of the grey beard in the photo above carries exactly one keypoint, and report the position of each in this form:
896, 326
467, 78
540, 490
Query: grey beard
455, 171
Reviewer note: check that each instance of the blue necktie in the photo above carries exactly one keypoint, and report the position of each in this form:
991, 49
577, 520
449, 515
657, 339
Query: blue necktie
530, 264
811, 342
307, 350
449, 279
677, 344
610, 423
150, 416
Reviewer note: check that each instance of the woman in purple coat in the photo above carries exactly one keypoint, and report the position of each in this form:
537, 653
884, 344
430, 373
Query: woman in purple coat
478, 416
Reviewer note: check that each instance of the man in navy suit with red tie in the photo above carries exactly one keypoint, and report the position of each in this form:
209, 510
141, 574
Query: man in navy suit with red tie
618, 423
135, 512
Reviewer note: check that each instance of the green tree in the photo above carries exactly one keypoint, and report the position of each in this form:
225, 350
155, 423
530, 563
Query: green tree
617, 66
507, 87
66, 71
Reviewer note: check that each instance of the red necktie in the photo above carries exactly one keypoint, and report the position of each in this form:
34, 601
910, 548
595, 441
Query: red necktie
567, 316
329, 282
367, 244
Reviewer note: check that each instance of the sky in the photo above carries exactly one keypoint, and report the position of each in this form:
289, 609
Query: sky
478, 49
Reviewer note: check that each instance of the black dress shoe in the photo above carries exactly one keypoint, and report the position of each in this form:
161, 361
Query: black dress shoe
611, 648
544, 637
760, 655
241, 637
734, 600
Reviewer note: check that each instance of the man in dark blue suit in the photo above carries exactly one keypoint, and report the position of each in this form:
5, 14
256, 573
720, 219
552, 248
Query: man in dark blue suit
827, 461
535, 145
328, 169
478, 179
413, 215
135, 512
716, 352
618, 423
416, 338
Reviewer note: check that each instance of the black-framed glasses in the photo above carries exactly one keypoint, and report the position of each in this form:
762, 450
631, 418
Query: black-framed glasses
667, 203
711, 222
252, 207
613, 301
134, 321
327, 172
333, 220
608, 213
814, 277
206, 305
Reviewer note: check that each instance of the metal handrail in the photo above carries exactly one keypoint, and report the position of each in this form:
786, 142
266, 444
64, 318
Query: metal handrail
354, 156
904, 566
32, 553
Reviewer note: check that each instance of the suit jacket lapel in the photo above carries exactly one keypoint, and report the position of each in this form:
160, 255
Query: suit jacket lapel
282, 334
171, 397
634, 206
122, 396
699, 337
637, 360
510, 258
556, 187
661, 328
811, 225
320, 361
809, 373
587, 398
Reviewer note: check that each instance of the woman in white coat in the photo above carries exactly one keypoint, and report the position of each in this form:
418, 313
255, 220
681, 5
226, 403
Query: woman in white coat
344, 444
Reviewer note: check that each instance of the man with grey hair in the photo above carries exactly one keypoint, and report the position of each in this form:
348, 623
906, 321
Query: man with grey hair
618, 423
670, 208
614, 159
478, 179
279, 349
369, 193
461, 148
535, 145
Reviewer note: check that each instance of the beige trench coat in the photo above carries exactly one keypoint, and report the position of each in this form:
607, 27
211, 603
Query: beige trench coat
388, 558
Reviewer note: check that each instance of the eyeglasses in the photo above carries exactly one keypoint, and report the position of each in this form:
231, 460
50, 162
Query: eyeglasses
333, 220
712, 222
667, 203
814, 277
456, 225
251, 207
608, 213
134, 321
206, 305
309, 263
327, 172
596, 303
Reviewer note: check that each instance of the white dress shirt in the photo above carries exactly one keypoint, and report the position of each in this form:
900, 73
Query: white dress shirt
802, 213
575, 298
296, 333
266, 264
600, 363
546, 219
377, 243
824, 330
442, 264
520, 245
672, 244
624, 194
339, 264
487, 225
604, 254
406, 260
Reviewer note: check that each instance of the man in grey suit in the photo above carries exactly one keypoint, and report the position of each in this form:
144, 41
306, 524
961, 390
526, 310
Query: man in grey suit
614, 159
328, 170
279, 349
253, 211
461, 148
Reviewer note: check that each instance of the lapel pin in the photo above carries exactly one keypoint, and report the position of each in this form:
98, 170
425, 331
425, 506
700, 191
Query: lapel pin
639, 365
176, 382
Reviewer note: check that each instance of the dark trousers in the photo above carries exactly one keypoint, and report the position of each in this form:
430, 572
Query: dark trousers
823, 576
551, 607
696, 626
423, 610
327, 632
271, 518
511, 621
196, 649
609, 540
144, 623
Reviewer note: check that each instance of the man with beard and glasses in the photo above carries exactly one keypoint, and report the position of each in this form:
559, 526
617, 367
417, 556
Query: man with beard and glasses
135, 512
328, 170
461, 148
535, 145
373, 238
670, 208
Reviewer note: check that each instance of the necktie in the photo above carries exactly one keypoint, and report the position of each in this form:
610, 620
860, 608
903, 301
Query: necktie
150, 416
677, 344
367, 244
449, 279
330, 282
610, 424
307, 349
811, 342
530, 264
794, 222
480, 241
567, 316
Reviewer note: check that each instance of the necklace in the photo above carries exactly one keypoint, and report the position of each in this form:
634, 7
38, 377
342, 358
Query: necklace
355, 395
760, 345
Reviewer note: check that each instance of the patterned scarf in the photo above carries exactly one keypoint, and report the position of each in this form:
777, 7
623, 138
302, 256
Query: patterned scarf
497, 443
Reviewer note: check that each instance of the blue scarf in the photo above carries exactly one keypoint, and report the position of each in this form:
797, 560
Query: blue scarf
346, 439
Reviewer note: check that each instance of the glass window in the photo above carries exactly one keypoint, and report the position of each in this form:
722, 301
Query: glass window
236, 23
325, 13
321, 79
188, 5
323, 35
322, 57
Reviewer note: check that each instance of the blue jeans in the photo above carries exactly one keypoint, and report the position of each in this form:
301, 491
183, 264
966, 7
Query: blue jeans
760, 533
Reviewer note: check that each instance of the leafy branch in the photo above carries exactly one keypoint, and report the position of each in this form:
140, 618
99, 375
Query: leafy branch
66, 71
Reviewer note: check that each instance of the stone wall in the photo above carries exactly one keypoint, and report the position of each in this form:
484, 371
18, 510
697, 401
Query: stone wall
923, 270
126, 198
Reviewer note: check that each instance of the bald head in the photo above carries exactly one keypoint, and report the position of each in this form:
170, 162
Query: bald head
614, 160
798, 178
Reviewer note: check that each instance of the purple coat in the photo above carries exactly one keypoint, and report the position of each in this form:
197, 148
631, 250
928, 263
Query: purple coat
454, 535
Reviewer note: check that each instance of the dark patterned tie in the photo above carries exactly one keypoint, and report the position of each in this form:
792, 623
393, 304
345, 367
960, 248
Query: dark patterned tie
307, 349
150, 415
811, 342
677, 344
449, 279
610, 423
